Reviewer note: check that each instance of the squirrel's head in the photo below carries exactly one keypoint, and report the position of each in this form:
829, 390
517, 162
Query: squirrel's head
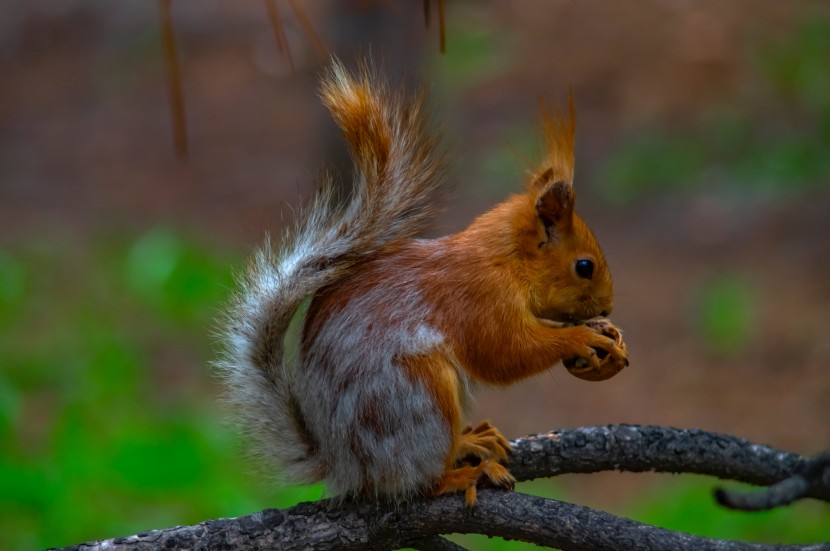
568, 278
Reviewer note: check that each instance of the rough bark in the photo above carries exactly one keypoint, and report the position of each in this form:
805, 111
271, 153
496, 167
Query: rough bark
323, 525
635, 448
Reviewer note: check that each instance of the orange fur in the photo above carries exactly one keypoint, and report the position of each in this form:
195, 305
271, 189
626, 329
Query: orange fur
356, 113
441, 381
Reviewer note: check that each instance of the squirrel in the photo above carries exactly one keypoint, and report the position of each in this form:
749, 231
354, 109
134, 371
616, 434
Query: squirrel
395, 330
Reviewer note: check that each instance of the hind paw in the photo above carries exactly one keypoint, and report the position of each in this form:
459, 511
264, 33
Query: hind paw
482, 442
478, 457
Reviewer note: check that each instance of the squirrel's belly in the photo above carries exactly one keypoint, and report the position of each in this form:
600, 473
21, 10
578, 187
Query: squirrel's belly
378, 430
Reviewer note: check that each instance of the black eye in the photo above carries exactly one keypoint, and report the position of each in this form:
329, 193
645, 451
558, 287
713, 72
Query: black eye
585, 268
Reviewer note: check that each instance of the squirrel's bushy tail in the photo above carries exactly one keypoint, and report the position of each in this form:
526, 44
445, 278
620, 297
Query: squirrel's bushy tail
397, 174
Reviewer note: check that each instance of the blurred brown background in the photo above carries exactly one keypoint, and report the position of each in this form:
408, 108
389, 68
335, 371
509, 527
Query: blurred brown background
723, 286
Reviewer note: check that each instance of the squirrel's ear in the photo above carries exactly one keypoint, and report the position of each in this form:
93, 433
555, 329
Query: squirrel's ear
555, 207
552, 182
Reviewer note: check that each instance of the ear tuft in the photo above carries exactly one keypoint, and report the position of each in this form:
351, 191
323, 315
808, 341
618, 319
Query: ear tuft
559, 130
554, 207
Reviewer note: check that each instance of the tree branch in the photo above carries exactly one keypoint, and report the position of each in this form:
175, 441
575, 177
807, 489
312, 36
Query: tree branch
351, 526
812, 478
636, 448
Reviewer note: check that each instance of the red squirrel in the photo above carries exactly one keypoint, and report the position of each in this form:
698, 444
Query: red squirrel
394, 331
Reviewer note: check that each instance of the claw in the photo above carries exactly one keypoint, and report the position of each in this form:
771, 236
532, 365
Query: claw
471, 494
466, 478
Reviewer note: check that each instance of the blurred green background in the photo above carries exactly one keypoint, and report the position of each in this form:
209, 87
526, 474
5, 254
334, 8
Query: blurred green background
703, 166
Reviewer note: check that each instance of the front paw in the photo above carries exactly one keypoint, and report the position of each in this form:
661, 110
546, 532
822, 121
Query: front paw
606, 355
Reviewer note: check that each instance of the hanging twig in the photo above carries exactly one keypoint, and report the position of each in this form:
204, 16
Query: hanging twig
442, 28
174, 81
442, 31
279, 31
305, 21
